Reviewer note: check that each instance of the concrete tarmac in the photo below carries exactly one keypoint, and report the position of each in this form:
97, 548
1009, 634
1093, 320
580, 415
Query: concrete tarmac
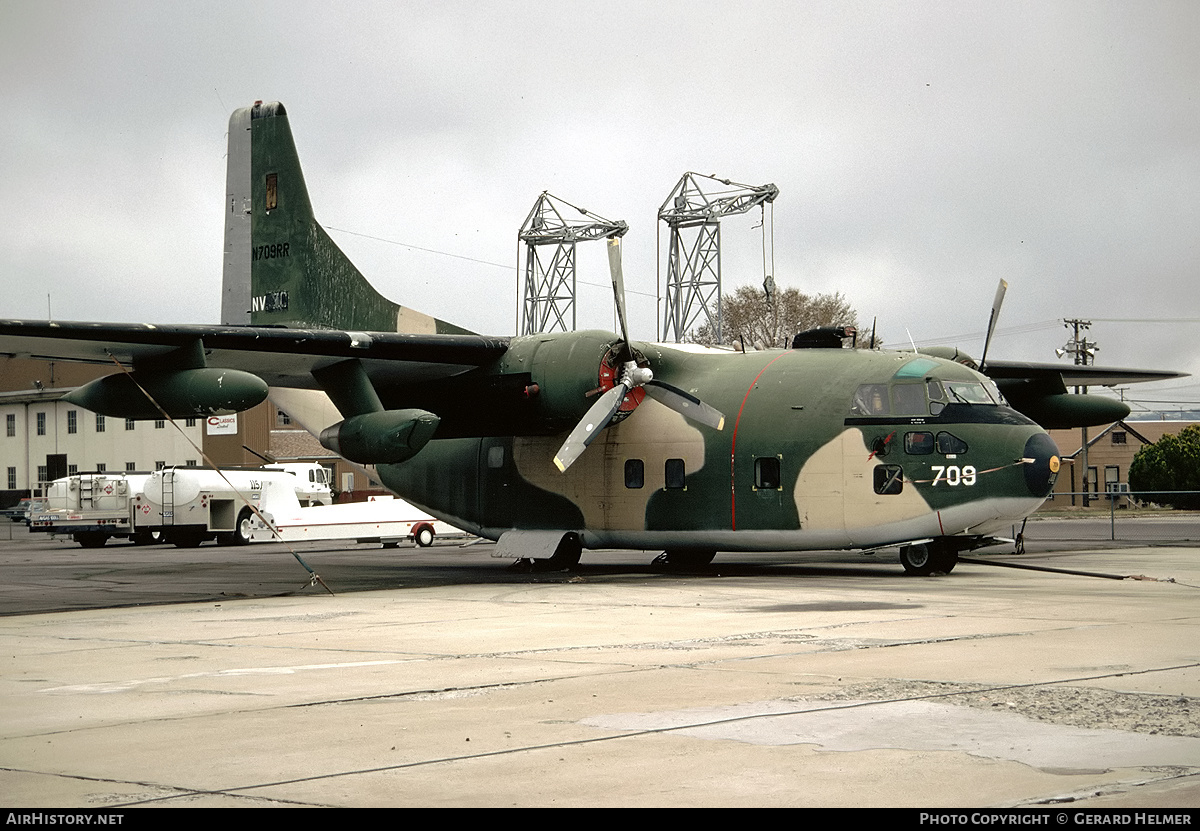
441, 677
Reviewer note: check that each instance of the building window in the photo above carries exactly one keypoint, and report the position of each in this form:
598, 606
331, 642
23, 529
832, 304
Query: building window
41, 424
190, 463
12, 478
131, 466
43, 472
99, 423
282, 419
10, 424
159, 424
1112, 477
72, 421
72, 470
191, 422
101, 467
159, 465
129, 423
1118, 437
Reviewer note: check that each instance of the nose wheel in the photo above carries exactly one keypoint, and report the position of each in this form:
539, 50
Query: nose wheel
923, 559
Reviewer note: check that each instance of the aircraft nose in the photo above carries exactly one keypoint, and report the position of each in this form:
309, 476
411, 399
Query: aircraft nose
1042, 469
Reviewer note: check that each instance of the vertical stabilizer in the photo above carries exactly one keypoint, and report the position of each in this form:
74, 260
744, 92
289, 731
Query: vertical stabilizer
281, 268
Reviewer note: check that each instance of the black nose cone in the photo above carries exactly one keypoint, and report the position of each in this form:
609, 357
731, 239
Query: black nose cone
1041, 469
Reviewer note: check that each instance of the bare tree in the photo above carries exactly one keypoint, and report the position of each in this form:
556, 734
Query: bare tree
765, 320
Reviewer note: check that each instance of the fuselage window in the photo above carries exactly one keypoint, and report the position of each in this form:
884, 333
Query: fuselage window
918, 444
674, 474
950, 444
889, 479
635, 473
495, 457
766, 473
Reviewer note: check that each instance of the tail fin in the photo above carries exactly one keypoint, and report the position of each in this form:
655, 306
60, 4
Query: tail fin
281, 268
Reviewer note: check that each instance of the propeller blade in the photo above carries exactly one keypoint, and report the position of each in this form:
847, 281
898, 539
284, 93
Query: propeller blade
595, 420
618, 281
1000, 290
685, 404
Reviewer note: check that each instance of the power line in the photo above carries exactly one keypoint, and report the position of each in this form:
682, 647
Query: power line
605, 286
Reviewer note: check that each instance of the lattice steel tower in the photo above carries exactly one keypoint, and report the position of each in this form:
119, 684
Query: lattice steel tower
693, 286
549, 295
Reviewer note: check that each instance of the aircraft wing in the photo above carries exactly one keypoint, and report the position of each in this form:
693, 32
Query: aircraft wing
1071, 375
1040, 391
280, 357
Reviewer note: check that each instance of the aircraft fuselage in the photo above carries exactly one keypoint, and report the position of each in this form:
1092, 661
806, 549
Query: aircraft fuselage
821, 448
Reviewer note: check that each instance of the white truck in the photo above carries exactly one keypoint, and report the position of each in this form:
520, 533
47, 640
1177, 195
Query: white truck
182, 505
187, 506
91, 507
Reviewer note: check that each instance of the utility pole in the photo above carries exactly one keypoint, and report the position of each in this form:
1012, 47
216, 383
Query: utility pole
1083, 353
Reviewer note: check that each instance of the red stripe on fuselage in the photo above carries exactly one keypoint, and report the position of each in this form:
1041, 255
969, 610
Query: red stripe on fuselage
733, 442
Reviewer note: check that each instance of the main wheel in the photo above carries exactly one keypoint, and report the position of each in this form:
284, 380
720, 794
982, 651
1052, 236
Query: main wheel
685, 558
924, 559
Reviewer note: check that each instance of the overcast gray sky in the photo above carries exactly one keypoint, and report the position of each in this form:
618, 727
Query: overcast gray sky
923, 151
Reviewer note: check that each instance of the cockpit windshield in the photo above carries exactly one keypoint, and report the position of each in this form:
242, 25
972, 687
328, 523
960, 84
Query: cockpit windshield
912, 392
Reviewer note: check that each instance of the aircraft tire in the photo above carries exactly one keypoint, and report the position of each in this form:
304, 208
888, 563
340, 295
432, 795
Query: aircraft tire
423, 534
924, 559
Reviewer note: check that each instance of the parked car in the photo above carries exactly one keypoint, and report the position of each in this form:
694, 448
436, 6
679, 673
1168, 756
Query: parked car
18, 512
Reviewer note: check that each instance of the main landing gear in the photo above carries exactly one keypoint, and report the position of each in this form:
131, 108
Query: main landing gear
926, 558
675, 558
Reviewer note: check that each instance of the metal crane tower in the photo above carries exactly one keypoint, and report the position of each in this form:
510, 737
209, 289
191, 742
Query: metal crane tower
693, 287
550, 285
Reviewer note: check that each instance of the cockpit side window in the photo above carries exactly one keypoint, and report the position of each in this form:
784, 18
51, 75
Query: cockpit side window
870, 400
908, 399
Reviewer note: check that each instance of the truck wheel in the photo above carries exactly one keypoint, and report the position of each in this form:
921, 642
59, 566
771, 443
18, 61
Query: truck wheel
424, 536
187, 539
241, 532
90, 540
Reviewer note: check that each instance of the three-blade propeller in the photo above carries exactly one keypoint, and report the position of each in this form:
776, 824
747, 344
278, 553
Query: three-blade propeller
632, 376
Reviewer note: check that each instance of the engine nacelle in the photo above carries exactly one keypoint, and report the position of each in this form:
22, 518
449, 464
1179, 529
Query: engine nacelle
1065, 410
381, 438
182, 393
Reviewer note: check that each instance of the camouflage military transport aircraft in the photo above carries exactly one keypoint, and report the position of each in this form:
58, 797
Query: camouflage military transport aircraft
558, 442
